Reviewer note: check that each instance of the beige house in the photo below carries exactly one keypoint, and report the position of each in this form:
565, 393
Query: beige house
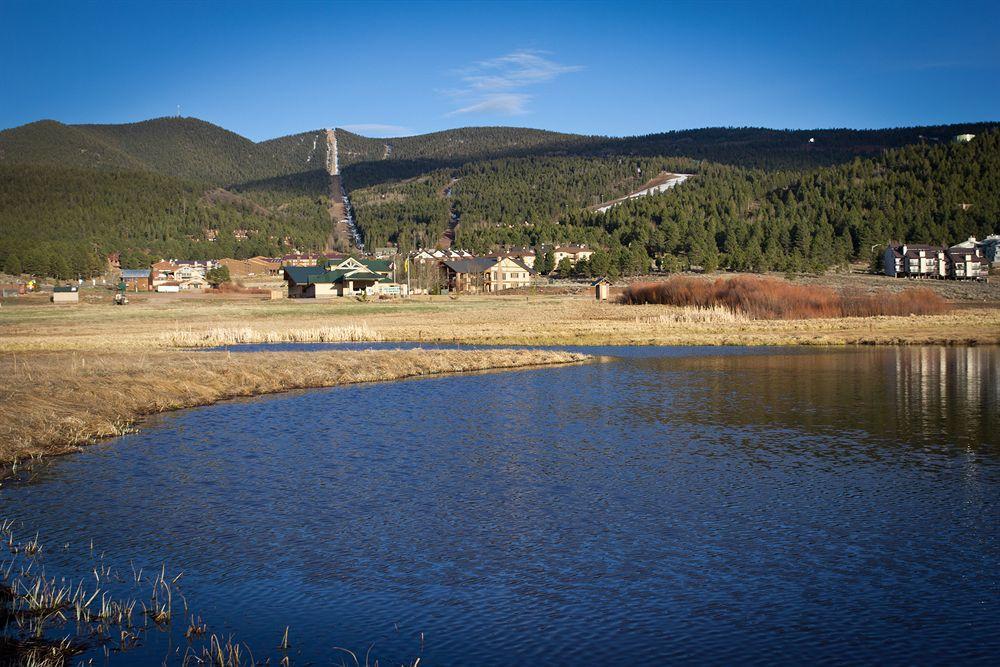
487, 274
183, 274
526, 255
572, 252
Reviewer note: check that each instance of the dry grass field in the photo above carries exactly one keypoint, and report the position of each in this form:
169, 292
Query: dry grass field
151, 323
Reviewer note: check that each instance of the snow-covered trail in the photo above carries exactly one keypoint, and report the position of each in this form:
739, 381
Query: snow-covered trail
341, 210
332, 159
677, 179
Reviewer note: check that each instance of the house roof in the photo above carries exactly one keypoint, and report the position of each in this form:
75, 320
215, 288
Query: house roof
304, 275
572, 249
474, 265
377, 265
521, 263
136, 273
913, 250
299, 256
600, 281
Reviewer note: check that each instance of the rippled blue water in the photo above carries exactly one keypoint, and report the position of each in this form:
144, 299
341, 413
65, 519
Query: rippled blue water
673, 505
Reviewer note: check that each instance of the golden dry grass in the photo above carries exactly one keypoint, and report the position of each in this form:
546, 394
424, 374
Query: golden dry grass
56, 401
221, 336
502, 320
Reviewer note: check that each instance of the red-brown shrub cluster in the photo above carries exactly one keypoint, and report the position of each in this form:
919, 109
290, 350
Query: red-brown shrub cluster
774, 299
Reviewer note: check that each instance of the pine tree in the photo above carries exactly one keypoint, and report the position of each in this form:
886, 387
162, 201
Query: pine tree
59, 268
13, 265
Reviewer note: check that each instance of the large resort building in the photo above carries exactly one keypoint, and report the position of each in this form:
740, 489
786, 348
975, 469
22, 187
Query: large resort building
965, 261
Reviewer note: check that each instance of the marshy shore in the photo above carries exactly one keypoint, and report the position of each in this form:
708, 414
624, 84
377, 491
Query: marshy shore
56, 401
77, 373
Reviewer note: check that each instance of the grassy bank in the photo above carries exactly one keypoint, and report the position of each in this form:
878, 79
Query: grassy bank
57, 401
502, 320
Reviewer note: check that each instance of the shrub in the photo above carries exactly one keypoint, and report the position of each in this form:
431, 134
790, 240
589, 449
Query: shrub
774, 299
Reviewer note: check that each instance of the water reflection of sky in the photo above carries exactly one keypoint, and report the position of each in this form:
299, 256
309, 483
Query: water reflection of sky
681, 504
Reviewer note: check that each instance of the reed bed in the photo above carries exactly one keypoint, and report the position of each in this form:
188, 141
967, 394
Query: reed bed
774, 299
52, 622
56, 402
47, 621
697, 314
220, 336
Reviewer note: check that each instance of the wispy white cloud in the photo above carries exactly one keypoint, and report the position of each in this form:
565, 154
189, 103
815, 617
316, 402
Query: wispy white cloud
507, 104
378, 129
498, 85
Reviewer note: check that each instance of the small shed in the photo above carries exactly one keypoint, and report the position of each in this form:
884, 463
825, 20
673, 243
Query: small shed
66, 294
602, 288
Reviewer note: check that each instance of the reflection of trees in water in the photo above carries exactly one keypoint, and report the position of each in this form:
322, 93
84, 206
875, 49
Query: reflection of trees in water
925, 396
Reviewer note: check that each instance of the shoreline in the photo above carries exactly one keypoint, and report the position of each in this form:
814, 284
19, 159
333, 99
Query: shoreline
63, 401
76, 374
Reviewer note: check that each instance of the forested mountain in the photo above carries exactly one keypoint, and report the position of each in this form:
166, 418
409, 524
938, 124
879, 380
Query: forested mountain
50, 142
747, 147
755, 220
498, 194
780, 149
758, 199
412, 214
181, 147
733, 217
63, 221
354, 148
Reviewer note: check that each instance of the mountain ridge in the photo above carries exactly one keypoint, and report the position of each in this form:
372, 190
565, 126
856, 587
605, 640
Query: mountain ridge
192, 148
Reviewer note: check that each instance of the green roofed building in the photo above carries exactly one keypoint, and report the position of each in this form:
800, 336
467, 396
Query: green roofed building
346, 277
382, 266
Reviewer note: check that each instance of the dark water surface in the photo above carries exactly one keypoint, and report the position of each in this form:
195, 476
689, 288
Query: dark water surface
674, 505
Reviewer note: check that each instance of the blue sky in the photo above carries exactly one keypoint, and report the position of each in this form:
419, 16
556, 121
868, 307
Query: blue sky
270, 69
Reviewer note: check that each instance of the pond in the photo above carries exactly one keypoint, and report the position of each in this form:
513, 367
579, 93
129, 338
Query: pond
688, 505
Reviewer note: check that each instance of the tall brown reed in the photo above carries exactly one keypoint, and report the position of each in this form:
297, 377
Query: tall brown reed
775, 299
